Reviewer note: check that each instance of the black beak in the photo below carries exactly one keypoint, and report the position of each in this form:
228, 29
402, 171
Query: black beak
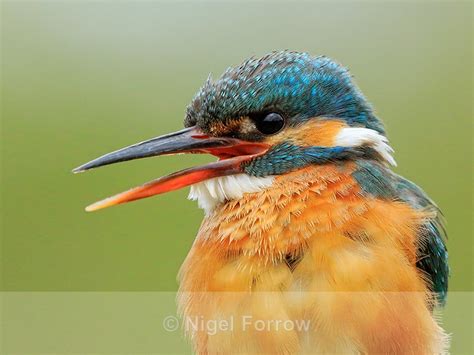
188, 140
231, 151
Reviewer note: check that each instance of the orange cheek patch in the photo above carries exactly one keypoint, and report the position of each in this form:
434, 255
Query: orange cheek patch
315, 132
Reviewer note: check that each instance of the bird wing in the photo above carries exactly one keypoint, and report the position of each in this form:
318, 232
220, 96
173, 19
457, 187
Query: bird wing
432, 255
432, 251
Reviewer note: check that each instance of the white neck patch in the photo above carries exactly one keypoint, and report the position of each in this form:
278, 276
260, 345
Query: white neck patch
358, 136
213, 192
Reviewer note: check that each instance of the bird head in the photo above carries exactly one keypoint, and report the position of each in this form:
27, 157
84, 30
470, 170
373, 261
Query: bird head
266, 117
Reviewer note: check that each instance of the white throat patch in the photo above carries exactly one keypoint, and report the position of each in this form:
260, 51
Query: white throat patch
359, 136
212, 192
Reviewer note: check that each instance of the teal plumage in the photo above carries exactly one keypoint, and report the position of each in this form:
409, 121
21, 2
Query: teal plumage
298, 84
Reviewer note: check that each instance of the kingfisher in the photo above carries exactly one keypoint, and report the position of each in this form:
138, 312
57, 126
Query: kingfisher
304, 218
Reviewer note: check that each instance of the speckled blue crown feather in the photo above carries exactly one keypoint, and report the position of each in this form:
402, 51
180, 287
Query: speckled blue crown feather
296, 84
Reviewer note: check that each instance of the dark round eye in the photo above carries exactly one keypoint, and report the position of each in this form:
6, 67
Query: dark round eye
270, 123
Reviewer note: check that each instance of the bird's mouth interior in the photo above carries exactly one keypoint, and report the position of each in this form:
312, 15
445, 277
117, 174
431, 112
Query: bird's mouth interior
232, 154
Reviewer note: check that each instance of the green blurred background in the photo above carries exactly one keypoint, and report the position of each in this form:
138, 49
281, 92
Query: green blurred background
80, 79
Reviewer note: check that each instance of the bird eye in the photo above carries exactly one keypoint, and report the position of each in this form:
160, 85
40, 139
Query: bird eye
269, 123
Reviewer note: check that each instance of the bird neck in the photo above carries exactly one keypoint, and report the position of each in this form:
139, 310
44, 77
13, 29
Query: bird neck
280, 218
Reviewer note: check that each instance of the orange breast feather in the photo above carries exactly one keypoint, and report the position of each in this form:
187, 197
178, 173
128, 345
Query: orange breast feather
310, 248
